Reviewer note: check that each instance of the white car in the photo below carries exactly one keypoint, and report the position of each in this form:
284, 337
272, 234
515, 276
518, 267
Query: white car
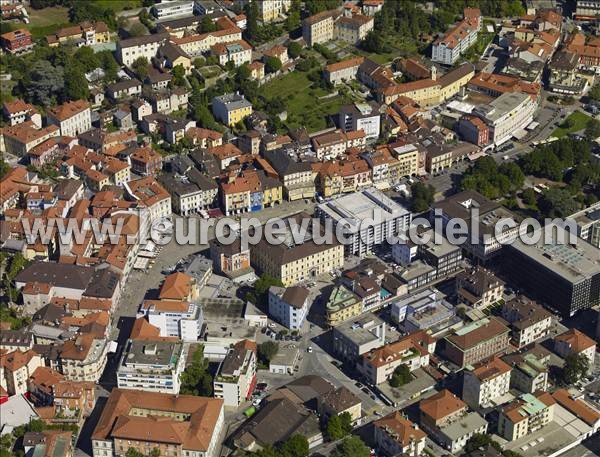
272, 325
309, 349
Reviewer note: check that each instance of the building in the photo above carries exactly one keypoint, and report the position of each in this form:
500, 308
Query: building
508, 114
353, 338
563, 77
340, 401
575, 342
496, 84
529, 371
477, 211
238, 52
181, 319
361, 116
21, 138
445, 418
151, 194
479, 288
529, 321
579, 408
424, 310
319, 28
342, 305
297, 177
353, 29
192, 193
476, 341
17, 41
293, 260
289, 306
83, 34
126, 88
485, 382
17, 112
173, 9
394, 434
236, 376
72, 118
178, 425
473, 130
372, 218
525, 415
151, 366
15, 369
345, 70
231, 108
378, 365
230, 259
84, 358
588, 224
271, 10
565, 276
458, 39
147, 46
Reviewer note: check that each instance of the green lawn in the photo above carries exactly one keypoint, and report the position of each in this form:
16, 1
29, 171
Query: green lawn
119, 5
47, 21
578, 121
303, 103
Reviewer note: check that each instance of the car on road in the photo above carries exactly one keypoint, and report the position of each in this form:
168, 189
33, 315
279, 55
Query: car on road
309, 349
272, 325
358, 384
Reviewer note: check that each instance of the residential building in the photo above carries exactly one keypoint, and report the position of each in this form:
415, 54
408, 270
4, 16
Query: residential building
353, 338
191, 193
151, 366
529, 372
475, 209
15, 369
84, 358
479, 288
342, 305
424, 310
496, 84
580, 408
204, 138
445, 419
485, 382
473, 130
145, 161
231, 108
178, 425
331, 145
361, 116
173, 9
278, 52
587, 50
131, 49
476, 341
565, 276
17, 112
507, 115
458, 39
293, 261
126, 88
319, 28
271, 10
72, 118
575, 342
338, 402
371, 7
154, 196
529, 321
588, 224
257, 70
238, 52
353, 29
230, 259
345, 70
372, 218
21, 138
289, 306
394, 434
525, 415
563, 76
378, 365
17, 41
297, 177
196, 45
236, 376
83, 34
180, 319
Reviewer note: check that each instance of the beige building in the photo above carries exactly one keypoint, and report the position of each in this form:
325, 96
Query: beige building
486, 381
270, 10
479, 288
72, 118
575, 342
525, 415
292, 263
84, 358
345, 70
529, 321
238, 52
319, 28
353, 29
342, 305
340, 401
21, 138
15, 369
396, 435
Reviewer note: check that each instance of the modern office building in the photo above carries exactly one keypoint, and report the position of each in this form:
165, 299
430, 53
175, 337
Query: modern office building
181, 319
588, 224
427, 309
152, 366
372, 218
562, 275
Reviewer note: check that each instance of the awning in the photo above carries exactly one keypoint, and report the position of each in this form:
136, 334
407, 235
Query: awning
520, 134
533, 125
476, 155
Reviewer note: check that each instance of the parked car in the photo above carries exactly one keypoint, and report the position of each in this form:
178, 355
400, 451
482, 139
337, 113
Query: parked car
309, 349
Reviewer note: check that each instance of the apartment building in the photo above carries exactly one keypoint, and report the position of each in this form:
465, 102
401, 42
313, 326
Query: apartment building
587, 48
15, 369
353, 29
529, 321
151, 366
236, 376
231, 108
271, 10
84, 358
495, 84
173, 9
529, 371
147, 46
319, 28
191, 193
446, 420
447, 49
342, 305
289, 306
340, 401
72, 118
151, 194
17, 112
477, 341
479, 288
361, 116
196, 45
378, 365
230, 259
177, 425
345, 70
292, 261
181, 319
21, 138
485, 382
525, 415
83, 34
473, 130
17, 41
588, 224
331, 145
297, 177
575, 342
396, 435
408, 157
238, 52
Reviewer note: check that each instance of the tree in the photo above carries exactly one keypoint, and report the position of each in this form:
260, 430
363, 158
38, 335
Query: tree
267, 350
251, 11
4, 168
576, 366
294, 49
86, 58
154, 452
592, 129
373, 42
207, 25
594, 93
133, 452
76, 87
195, 379
529, 196
140, 67
480, 440
557, 202
178, 73
400, 376
137, 29
47, 83
272, 64
422, 197
295, 446
334, 428
242, 73
352, 446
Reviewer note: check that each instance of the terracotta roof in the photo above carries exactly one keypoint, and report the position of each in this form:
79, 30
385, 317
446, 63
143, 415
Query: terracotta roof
400, 429
489, 329
167, 305
67, 110
348, 63
46, 378
577, 407
17, 359
441, 405
144, 330
148, 190
177, 286
576, 340
25, 133
490, 369
17, 106
393, 351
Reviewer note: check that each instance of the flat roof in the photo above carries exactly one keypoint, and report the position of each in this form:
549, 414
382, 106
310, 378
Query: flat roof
467, 424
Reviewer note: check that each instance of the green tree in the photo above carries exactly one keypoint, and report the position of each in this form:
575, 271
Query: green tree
140, 67
529, 196
207, 25
373, 42
352, 446
76, 87
133, 452
294, 446
178, 73
47, 83
294, 49
592, 129
400, 376
267, 350
421, 196
251, 11
154, 452
334, 428
272, 64
480, 440
4, 168
556, 202
594, 93
195, 379
87, 58
576, 366
137, 29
